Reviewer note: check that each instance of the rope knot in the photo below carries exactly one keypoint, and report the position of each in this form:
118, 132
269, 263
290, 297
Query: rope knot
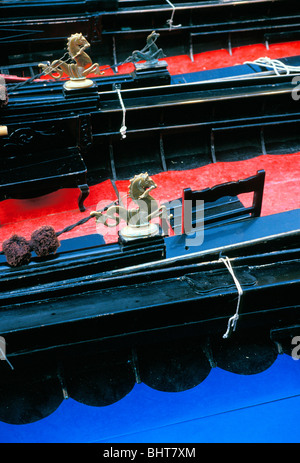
232, 322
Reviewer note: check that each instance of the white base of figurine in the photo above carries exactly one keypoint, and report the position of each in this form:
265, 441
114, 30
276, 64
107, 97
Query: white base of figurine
140, 231
80, 82
3, 130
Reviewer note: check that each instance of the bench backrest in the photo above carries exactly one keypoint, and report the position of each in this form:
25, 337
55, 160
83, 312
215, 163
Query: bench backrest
253, 184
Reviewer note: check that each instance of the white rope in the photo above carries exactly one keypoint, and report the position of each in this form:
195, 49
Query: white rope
123, 127
233, 320
170, 21
5, 358
276, 65
50, 68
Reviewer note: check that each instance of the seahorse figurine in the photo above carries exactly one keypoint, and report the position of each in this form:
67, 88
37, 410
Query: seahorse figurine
138, 220
77, 71
152, 54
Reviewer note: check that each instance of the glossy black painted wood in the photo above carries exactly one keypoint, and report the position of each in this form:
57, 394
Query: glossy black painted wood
62, 169
35, 162
215, 115
48, 306
115, 28
254, 184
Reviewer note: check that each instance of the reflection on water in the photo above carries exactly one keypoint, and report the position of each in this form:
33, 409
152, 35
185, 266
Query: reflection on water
35, 389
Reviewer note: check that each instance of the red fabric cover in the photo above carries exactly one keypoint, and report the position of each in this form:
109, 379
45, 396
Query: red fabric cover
182, 64
222, 58
60, 209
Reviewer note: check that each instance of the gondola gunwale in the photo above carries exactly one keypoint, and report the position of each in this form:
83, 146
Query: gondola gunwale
275, 313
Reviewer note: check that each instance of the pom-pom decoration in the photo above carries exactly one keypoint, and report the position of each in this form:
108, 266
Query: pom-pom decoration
44, 241
17, 251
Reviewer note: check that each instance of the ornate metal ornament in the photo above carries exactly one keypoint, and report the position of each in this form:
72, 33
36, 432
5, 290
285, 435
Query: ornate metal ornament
77, 71
138, 220
150, 53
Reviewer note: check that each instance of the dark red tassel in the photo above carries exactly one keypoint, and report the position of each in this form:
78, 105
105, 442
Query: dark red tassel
44, 241
17, 251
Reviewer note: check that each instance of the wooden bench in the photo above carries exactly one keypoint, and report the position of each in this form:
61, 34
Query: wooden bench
221, 203
35, 163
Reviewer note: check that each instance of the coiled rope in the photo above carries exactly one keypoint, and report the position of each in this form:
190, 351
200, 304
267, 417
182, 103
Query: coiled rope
276, 65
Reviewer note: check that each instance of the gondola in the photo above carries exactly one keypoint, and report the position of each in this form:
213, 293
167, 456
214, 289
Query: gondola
168, 284
34, 31
138, 119
188, 298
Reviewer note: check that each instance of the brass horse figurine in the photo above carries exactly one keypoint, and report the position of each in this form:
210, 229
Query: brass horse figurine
83, 65
148, 208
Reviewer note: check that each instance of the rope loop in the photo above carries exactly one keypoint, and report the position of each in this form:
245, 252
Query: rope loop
232, 322
123, 128
170, 21
6, 359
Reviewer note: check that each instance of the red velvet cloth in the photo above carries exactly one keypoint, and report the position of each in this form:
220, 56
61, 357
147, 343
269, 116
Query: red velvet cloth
182, 64
59, 209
